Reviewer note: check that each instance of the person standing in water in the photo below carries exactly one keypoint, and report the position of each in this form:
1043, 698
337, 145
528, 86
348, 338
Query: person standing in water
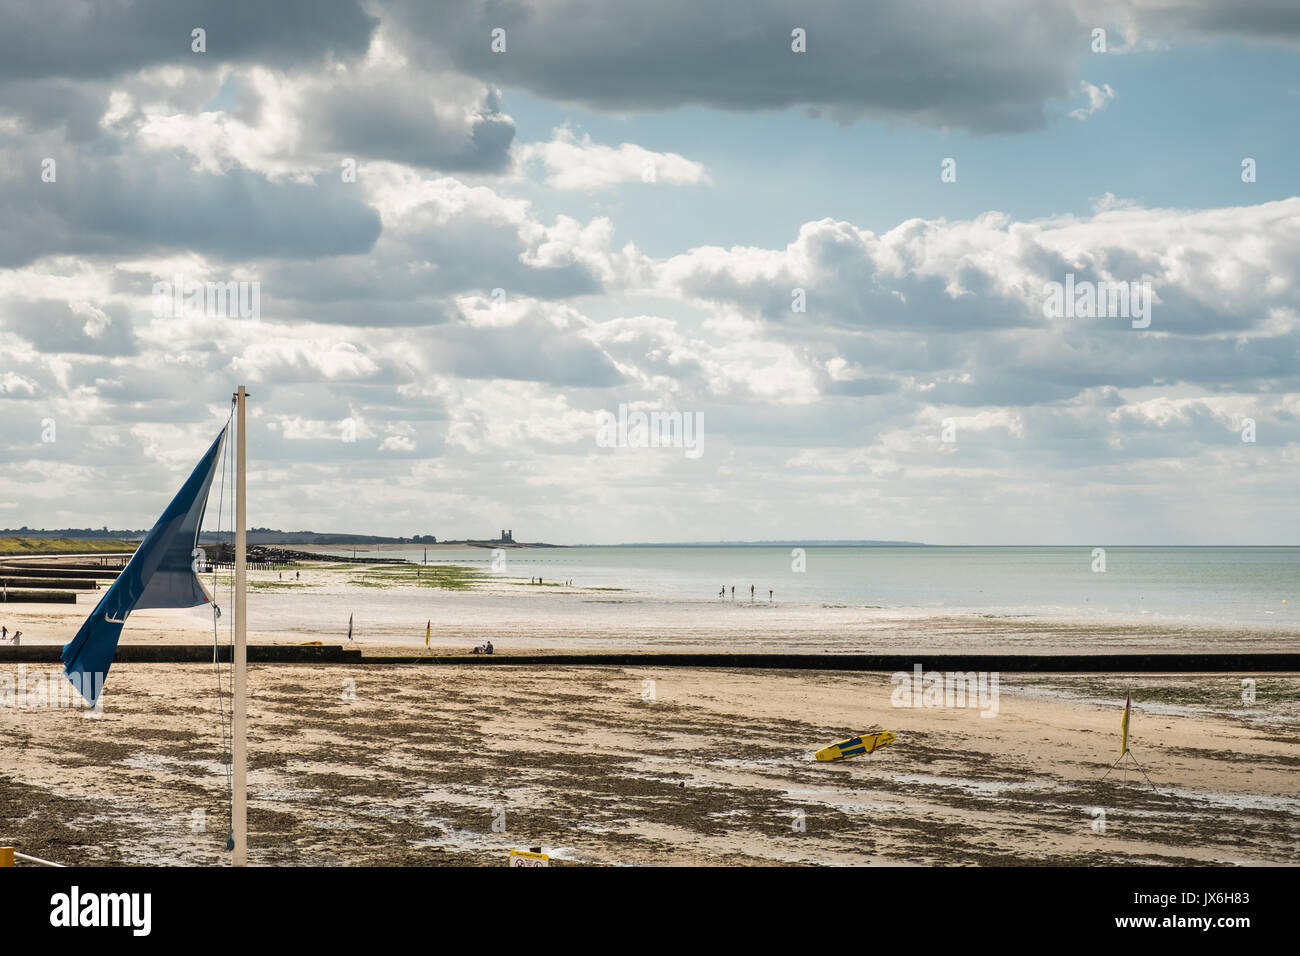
751, 594
769, 595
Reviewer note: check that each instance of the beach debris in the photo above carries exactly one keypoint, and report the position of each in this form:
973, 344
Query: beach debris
856, 746
526, 858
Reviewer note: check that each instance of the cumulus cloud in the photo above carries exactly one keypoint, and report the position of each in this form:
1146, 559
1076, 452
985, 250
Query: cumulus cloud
1000, 65
467, 335
579, 164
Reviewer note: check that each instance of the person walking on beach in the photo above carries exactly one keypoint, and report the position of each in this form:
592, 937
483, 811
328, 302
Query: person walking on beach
769, 595
4, 633
733, 592
751, 594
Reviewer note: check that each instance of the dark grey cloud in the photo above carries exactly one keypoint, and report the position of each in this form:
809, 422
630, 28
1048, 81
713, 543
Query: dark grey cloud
409, 275
106, 202
960, 64
50, 103
394, 119
528, 352
1275, 21
89, 329
71, 38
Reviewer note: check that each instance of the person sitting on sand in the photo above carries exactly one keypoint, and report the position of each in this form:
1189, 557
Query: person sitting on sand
487, 648
478, 649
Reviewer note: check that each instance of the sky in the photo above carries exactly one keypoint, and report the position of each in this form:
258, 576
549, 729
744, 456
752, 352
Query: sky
449, 247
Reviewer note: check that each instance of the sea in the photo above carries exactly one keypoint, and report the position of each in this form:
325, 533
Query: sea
1233, 587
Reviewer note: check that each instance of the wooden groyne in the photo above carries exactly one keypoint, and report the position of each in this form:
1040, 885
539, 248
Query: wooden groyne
37, 597
38, 584
56, 571
189, 654
1197, 663
892, 663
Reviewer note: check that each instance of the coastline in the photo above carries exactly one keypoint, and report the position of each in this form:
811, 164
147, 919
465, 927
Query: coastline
466, 605
370, 763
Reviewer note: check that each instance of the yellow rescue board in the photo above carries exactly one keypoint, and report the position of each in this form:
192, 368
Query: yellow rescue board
856, 746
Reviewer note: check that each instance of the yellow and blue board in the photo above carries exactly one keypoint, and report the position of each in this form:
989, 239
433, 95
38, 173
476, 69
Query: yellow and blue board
856, 746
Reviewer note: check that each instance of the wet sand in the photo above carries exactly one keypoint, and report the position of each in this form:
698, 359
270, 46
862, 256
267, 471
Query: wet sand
609, 766
390, 606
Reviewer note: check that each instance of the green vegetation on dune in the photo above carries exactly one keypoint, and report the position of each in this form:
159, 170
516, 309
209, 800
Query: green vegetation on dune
451, 577
9, 546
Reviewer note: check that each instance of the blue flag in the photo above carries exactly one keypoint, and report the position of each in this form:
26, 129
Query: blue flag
159, 574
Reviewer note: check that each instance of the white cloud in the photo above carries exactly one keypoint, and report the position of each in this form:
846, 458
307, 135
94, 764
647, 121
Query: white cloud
1098, 97
580, 164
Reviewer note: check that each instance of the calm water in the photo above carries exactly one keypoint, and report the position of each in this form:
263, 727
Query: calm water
1225, 586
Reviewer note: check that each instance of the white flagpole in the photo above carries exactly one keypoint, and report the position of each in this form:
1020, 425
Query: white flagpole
239, 749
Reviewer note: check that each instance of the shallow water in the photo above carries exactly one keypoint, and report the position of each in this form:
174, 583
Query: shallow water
1238, 587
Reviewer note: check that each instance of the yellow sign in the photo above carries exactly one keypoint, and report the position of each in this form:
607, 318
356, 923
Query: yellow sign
524, 858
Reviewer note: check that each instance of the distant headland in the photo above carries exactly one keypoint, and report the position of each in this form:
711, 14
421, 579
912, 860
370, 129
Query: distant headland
506, 539
792, 543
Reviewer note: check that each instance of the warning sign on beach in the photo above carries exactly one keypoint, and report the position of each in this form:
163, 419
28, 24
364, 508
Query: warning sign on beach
524, 858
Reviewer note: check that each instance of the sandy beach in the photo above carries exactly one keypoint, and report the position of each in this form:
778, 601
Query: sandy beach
612, 766
367, 764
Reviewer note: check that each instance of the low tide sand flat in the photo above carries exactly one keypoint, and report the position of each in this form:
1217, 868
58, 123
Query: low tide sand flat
467, 607
358, 759
413, 771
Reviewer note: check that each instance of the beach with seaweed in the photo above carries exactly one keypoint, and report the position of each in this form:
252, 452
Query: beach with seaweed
360, 763
614, 766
